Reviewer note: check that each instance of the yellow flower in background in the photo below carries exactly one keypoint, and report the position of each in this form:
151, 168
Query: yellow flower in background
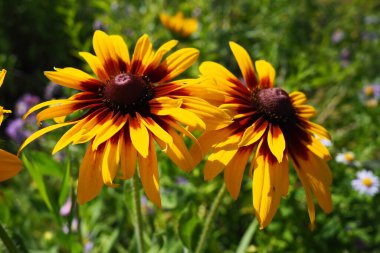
130, 104
270, 123
179, 24
10, 165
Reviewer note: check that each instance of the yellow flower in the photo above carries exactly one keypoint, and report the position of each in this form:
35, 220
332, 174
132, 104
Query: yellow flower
178, 24
10, 164
129, 105
273, 124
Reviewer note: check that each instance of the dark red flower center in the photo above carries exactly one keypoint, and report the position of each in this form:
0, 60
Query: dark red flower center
275, 104
126, 93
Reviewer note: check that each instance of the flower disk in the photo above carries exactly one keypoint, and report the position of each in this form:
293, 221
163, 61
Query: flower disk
127, 93
275, 103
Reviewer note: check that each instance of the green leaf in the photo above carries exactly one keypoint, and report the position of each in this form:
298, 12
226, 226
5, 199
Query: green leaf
247, 237
41, 186
46, 164
65, 184
189, 227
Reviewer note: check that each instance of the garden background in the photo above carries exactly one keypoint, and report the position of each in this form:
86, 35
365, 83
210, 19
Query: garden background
328, 49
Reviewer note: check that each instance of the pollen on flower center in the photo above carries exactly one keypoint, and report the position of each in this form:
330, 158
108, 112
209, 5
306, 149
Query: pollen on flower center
275, 104
127, 93
367, 182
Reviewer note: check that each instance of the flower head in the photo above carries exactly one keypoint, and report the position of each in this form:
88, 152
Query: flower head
371, 94
366, 182
10, 164
130, 104
347, 158
273, 124
179, 24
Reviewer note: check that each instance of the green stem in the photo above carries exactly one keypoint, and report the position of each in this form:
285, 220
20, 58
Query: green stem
209, 220
138, 215
7, 240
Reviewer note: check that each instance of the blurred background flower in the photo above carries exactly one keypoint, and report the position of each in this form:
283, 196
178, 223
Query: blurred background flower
366, 183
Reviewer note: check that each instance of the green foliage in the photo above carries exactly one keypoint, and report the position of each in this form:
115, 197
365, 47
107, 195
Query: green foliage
300, 39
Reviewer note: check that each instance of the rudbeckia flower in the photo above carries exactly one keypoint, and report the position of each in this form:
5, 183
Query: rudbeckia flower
121, 112
10, 165
270, 123
179, 24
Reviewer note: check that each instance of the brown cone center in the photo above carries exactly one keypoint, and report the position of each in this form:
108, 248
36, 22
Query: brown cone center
126, 92
275, 104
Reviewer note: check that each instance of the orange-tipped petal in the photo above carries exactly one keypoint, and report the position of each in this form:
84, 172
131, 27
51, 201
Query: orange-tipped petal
266, 74
10, 165
149, 174
245, 64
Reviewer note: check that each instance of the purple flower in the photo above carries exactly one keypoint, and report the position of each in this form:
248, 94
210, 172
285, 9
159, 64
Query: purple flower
181, 180
52, 90
66, 208
16, 130
24, 103
337, 36
88, 246
99, 25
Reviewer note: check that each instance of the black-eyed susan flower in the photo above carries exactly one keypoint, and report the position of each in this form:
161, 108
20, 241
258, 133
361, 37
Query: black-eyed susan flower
179, 24
130, 104
270, 123
10, 165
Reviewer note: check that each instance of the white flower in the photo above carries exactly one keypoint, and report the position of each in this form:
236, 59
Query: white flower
346, 158
366, 182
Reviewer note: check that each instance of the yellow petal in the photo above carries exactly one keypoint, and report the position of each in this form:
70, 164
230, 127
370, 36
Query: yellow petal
297, 98
175, 64
214, 117
315, 173
41, 132
93, 123
74, 78
266, 74
253, 133
110, 162
318, 149
64, 109
156, 60
128, 157
142, 55
233, 173
149, 174
245, 64
206, 141
105, 51
109, 129
305, 111
155, 128
317, 129
90, 180
276, 141
139, 136
3, 72
95, 65
122, 52
270, 181
44, 104
213, 69
187, 118
220, 157
177, 152
10, 165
